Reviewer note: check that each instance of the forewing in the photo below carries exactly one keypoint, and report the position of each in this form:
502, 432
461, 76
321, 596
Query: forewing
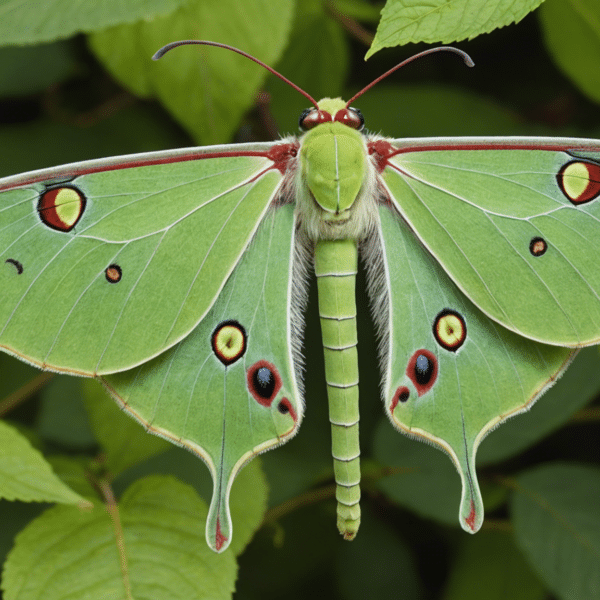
514, 222
105, 264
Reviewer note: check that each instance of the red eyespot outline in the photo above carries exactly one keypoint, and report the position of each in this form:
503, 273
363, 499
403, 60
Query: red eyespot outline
422, 388
256, 393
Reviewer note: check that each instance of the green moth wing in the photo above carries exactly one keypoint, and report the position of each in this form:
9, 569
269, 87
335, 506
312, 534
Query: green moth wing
451, 373
92, 250
511, 221
501, 288
229, 390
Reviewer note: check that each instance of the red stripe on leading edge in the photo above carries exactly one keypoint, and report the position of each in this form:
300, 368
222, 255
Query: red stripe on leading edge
382, 150
220, 539
280, 154
557, 148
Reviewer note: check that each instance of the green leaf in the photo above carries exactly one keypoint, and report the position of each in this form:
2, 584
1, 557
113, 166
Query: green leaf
75, 472
23, 22
501, 572
62, 418
361, 10
207, 90
15, 516
74, 554
571, 31
124, 440
134, 129
576, 388
25, 475
32, 69
556, 516
433, 21
249, 491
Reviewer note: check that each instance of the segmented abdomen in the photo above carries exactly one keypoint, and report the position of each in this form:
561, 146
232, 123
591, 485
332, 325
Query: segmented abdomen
335, 268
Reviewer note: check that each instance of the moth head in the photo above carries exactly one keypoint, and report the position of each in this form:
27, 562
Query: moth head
331, 110
333, 160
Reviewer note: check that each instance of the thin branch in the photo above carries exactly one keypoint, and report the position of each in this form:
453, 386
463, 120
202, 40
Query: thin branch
24, 392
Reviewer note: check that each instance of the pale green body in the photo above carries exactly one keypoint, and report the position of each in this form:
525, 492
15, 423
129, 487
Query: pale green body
336, 263
179, 280
334, 167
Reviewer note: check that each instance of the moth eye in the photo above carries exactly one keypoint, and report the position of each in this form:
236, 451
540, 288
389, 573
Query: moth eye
538, 246
303, 116
422, 370
352, 117
229, 342
449, 329
311, 117
264, 382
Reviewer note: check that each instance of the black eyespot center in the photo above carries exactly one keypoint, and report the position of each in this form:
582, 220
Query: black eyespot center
423, 369
264, 381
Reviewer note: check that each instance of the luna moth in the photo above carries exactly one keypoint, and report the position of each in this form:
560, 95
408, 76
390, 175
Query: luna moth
179, 279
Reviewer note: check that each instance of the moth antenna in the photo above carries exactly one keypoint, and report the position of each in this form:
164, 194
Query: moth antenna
468, 61
172, 45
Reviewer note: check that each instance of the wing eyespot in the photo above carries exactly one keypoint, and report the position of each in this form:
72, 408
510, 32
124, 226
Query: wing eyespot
61, 206
579, 181
401, 396
16, 264
264, 382
422, 370
449, 329
229, 342
113, 273
538, 246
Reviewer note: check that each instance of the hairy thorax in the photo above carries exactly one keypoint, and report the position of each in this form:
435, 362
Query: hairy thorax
335, 184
